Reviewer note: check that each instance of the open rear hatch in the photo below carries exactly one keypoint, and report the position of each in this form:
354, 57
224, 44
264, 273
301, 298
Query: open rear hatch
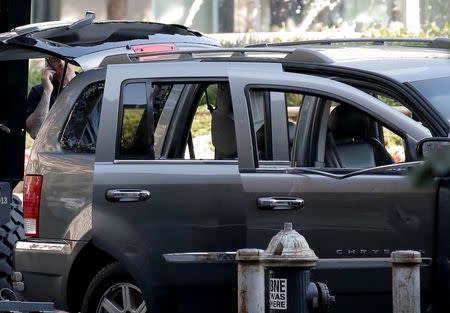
86, 43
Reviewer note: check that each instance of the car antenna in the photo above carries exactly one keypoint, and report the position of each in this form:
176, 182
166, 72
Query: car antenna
87, 20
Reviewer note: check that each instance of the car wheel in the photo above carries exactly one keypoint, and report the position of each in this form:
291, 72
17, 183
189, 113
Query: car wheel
10, 233
112, 291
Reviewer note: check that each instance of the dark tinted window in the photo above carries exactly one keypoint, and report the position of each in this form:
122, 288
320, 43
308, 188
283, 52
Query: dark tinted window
135, 93
80, 132
142, 105
437, 91
134, 136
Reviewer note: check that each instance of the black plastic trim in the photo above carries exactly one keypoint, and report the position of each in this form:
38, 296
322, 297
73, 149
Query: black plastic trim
418, 104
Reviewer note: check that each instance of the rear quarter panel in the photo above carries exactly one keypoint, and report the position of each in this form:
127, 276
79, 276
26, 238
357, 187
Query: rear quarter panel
66, 196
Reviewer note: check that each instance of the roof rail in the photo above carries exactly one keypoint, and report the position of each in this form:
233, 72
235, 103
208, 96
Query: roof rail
308, 55
441, 43
298, 54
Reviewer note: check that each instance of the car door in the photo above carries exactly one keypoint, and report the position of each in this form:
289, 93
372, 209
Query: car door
351, 223
156, 203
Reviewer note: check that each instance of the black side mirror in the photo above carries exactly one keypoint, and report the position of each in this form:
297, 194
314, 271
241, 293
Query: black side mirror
429, 146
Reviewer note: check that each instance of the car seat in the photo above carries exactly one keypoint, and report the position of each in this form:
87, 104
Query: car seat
349, 143
223, 135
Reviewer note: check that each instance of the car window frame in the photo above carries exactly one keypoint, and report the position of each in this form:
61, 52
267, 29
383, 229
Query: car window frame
274, 130
361, 79
118, 133
238, 75
173, 119
307, 127
302, 157
181, 124
320, 86
69, 122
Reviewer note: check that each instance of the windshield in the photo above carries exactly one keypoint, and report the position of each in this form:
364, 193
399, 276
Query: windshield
437, 91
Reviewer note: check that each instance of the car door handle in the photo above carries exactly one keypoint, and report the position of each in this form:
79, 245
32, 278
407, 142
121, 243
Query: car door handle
280, 203
127, 195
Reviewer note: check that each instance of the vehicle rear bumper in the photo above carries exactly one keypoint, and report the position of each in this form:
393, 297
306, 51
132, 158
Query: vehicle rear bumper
44, 266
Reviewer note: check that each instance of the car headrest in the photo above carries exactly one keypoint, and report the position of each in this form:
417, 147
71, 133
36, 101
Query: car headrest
347, 122
222, 125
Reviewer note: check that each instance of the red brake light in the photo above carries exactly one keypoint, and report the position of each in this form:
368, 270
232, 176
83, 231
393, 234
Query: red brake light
153, 48
31, 204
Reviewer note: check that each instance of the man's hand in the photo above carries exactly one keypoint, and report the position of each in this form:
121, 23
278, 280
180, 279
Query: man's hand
46, 79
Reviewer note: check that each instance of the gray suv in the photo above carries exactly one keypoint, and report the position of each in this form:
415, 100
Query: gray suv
205, 151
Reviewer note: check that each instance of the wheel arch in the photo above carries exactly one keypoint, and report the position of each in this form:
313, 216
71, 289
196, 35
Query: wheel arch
88, 262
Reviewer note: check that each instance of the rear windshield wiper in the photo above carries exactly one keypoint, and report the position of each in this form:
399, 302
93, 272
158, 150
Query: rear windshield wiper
5, 128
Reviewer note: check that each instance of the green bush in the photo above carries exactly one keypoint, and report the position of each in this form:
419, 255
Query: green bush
374, 31
434, 31
132, 117
34, 72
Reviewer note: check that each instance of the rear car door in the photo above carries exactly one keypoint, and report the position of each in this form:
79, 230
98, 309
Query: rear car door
351, 223
157, 191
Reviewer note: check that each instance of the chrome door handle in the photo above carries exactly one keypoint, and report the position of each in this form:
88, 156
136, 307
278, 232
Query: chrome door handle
280, 203
127, 195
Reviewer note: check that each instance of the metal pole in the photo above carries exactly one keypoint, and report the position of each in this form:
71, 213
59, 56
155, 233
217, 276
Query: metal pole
406, 281
250, 281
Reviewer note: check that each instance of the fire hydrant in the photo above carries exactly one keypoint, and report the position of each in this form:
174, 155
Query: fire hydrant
289, 259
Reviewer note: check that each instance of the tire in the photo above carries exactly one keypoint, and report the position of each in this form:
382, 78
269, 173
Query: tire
10, 233
107, 288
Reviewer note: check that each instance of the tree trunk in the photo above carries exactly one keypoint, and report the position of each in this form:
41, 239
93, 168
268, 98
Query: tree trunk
315, 8
280, 12
247, 15
117, 9
195, 7
411, 15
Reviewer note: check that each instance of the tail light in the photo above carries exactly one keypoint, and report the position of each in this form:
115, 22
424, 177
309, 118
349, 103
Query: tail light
153, 48
31, 204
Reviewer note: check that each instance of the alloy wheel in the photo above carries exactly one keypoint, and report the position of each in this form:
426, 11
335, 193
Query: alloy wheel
122, 298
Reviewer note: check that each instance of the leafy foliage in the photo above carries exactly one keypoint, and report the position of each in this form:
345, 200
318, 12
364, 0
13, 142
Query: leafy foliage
131, 119
323, 32
202, 120
34, 72
434, 31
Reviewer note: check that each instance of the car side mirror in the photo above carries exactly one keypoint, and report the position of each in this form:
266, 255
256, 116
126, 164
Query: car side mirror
429, 146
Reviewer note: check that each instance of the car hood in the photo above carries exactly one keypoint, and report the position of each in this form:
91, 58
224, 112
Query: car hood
86, 43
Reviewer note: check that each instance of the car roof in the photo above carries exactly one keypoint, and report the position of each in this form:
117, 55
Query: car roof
70, 41
403, 59
402, 63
